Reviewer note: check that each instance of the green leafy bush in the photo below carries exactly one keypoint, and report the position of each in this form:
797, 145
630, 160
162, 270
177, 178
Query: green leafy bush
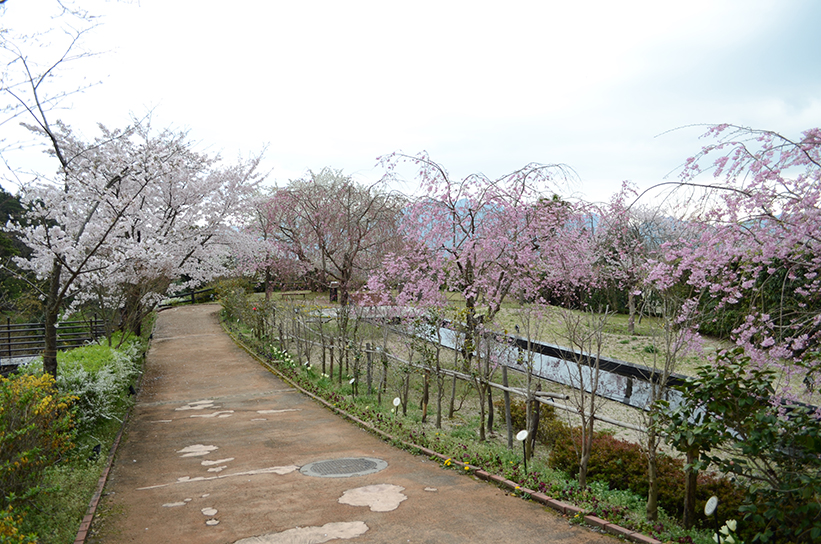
729, 416
97, 375
36, 429
10, 532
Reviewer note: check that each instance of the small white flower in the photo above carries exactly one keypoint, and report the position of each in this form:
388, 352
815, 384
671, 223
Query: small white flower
731, 523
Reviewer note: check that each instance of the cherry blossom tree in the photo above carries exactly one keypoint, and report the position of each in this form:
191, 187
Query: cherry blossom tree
124, 216
756, 246
256, 248
332, 227
477, 237
751, 258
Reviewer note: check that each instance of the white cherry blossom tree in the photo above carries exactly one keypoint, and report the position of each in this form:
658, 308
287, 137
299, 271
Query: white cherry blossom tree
124, 216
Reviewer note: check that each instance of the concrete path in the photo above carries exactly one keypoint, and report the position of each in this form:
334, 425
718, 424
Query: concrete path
214, 448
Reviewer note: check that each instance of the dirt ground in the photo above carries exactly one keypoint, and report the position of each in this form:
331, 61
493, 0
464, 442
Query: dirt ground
213, 452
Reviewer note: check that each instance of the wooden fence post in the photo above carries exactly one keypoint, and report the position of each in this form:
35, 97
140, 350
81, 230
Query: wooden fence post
369, 367
508, 420
331, 350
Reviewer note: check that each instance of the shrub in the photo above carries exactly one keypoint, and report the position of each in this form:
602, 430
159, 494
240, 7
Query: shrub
623, 465
36, 428
97, 375
10, 529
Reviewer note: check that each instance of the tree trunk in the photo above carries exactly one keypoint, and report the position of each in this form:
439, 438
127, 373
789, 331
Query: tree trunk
586, 447
322, 342
52, 313
480, 389
440, 386
405, 392
631, 309
452, 406
652, 511
534, 427
691, 477
331, 353
368, 367
268, 284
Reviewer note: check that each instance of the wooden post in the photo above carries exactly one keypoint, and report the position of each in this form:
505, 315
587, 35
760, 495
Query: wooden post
425, 395
331, 350
322, 341
508, 420
343, 354
369, 367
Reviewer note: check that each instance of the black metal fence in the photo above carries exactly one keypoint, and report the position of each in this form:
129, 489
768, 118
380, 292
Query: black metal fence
28, 339
189, 297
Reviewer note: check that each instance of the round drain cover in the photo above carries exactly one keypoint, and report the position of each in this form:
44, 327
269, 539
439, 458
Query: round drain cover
344, 468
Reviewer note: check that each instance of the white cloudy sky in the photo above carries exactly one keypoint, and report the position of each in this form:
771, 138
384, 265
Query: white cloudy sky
482, 86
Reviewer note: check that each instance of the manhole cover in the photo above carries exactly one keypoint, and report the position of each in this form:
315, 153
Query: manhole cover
344, 468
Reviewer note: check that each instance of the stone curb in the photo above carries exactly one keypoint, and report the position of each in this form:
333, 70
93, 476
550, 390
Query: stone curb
561, 507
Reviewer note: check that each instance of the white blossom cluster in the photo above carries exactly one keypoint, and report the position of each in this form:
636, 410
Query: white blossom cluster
131, 212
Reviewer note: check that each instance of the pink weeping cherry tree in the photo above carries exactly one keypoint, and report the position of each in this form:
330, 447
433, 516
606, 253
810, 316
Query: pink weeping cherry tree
479, 238
752, 259
755, 246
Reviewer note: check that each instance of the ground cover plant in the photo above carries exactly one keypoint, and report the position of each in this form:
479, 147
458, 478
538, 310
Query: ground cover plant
54, 436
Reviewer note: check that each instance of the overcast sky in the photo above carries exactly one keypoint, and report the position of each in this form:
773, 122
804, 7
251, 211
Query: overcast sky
481, 86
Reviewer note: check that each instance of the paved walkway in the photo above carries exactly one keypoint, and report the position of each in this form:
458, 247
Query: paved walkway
214, 448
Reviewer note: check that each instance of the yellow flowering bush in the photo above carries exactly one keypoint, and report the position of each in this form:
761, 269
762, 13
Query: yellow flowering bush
10, 529
36, 428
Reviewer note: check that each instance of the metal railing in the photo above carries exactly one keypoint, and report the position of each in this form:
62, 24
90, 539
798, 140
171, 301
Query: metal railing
28, 339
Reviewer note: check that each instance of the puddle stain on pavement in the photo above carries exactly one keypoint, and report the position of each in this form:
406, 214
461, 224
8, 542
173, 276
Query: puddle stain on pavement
311, 535
187, 479
220, 414
379, 498
197, 450
197, 405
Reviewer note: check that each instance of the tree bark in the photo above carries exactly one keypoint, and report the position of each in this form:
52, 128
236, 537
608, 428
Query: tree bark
652, 510
691, 478
52, 314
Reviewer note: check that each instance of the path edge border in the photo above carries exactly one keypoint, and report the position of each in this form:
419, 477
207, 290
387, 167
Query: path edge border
85, 525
